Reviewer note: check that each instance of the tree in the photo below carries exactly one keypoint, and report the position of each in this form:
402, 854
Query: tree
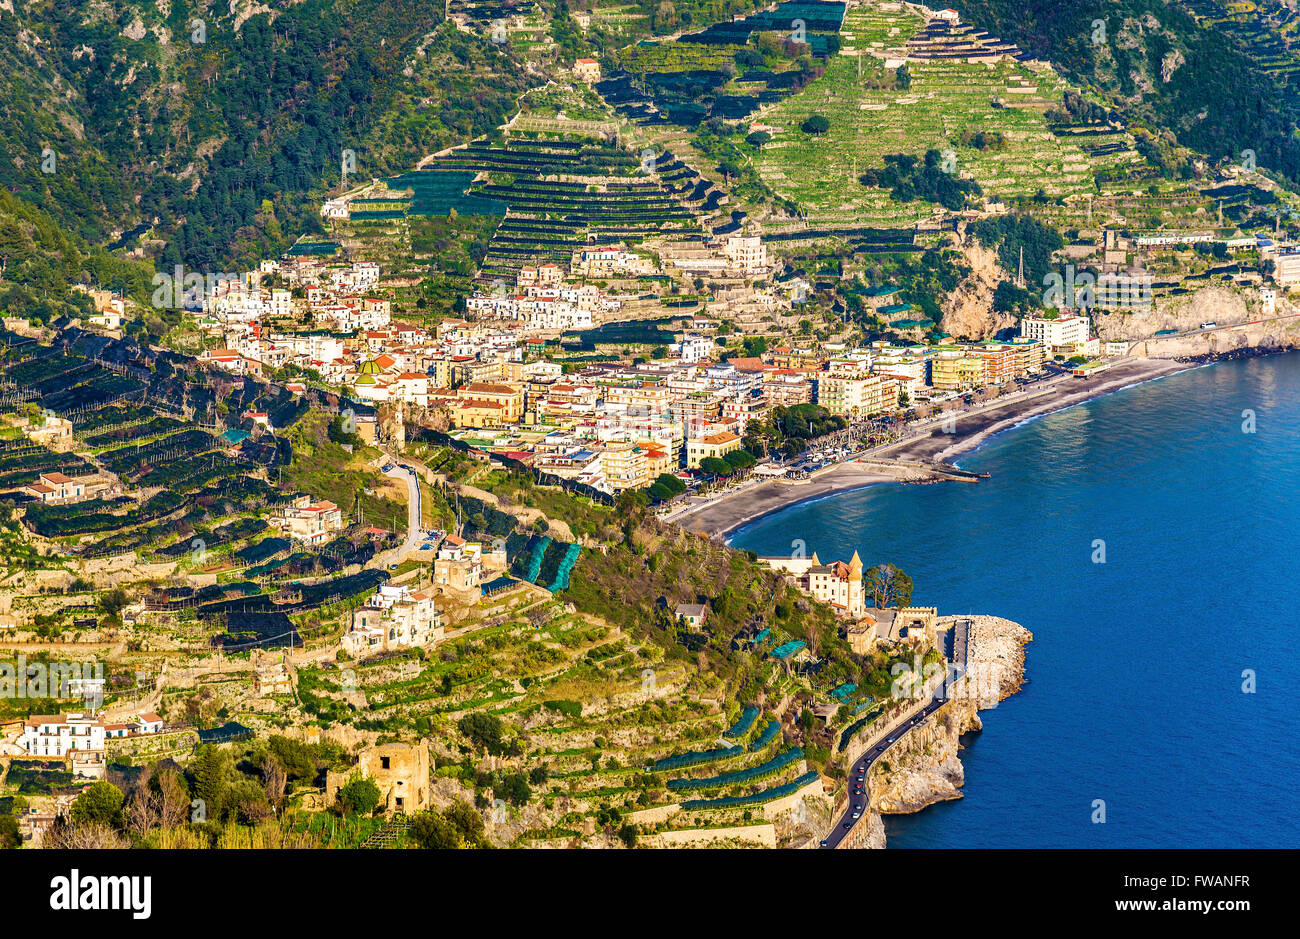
114, 601
887, 586
483, 730
338, 434
715, 466
433, 832
100, 804
248, 800
211, 780
815, 124
467, 821
457, 826
670, 482
514, 789
628, 835
740, 459
142, 808
274, 778
173, 797
93, 836
9, 836
296, 758
359, 797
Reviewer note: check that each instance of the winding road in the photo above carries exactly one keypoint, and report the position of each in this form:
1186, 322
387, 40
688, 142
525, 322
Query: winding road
859, 771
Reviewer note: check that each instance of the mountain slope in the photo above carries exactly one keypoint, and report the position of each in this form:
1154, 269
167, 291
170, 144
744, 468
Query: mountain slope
1158, 64
215, 121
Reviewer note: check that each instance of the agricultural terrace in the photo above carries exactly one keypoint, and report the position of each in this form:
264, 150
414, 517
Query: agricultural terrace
565, 194
601, 723
177, 472
870, 114
1268, 31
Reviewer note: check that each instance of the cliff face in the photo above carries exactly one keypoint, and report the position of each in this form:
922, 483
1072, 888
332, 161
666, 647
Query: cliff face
924, 767
1268, 337
1187, 311
968, 310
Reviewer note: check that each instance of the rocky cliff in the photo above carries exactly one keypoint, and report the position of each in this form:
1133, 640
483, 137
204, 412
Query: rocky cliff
1271, 336
968, 311
925, 767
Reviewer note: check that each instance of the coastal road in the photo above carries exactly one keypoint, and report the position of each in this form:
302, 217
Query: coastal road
863, 765
958, 651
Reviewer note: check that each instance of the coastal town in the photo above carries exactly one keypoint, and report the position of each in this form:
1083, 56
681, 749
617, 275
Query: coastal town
412, 529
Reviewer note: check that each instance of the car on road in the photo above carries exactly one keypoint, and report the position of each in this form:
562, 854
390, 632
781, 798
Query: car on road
1209, 325
388, 467
857, 815
826, 844
847, 825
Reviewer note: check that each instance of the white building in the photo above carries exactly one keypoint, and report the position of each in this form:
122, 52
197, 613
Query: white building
59, 734
746, 254
693, 349
394, 617
1063, 332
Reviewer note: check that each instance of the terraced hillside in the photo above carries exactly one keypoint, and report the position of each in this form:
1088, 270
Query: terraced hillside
174, 474
558, 195
871, 115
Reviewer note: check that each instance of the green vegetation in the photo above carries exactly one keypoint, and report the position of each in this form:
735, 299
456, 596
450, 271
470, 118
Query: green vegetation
907, 178
1171, 68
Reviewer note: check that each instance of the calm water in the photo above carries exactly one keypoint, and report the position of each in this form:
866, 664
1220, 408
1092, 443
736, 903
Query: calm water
1136, 669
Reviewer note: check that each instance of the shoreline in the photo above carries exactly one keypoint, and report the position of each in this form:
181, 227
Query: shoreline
923, 457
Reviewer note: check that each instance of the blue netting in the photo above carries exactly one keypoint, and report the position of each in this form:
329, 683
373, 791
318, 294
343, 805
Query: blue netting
767, 736
695, 758
561, 580
787, 649
535, 562
742, 726
767, 795
753, 773
855, 727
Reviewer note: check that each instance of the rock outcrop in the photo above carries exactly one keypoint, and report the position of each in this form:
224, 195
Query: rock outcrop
968, 310
924, 767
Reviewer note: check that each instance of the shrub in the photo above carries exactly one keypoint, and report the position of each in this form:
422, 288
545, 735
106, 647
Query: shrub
359, 797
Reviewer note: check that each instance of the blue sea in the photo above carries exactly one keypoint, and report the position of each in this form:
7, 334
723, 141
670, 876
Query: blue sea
1139, 692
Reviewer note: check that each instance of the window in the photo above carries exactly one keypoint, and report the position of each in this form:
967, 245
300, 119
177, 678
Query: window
383, 762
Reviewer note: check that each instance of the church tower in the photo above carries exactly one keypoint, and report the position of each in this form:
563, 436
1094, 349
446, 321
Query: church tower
854, 601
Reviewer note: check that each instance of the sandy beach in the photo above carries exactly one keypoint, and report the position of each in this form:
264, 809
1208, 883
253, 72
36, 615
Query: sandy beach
722, 514
975, 425
918, 457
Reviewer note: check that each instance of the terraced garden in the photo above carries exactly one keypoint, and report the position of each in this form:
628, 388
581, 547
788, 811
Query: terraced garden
870, 115
559, 195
